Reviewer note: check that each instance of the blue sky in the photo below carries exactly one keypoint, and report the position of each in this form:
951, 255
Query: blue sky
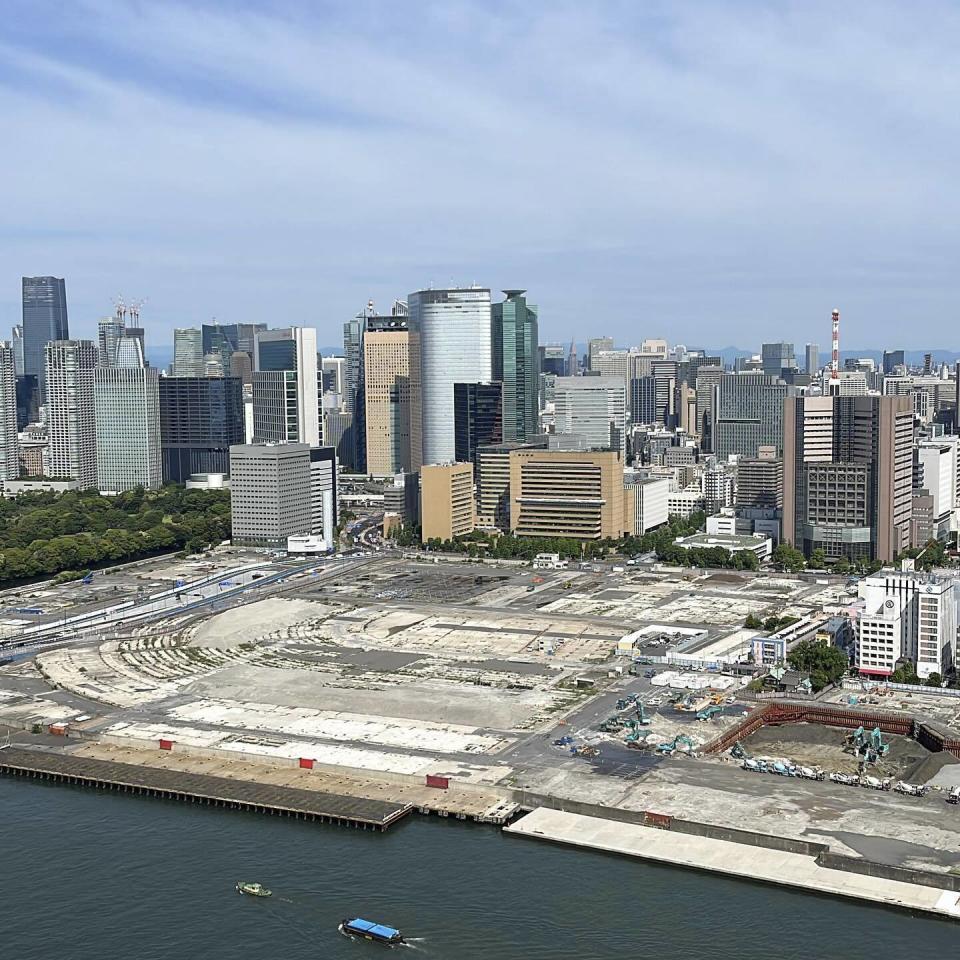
716, 173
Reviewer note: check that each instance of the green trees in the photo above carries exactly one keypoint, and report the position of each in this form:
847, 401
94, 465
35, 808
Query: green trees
825, 664
44, 534
934, 680
788, 558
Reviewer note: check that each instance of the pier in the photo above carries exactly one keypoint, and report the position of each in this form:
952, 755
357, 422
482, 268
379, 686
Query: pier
202, 789
801, 871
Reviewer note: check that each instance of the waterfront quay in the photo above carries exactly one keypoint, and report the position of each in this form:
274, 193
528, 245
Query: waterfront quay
197, 788
789, 868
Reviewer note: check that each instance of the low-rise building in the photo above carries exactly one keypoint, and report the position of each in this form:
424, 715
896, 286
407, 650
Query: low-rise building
647, 502
760, 547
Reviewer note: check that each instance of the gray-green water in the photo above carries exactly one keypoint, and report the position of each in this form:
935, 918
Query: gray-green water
90, 876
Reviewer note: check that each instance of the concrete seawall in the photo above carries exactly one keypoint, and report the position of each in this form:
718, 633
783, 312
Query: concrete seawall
784, 868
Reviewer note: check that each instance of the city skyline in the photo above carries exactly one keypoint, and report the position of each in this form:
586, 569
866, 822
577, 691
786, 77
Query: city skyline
738, 169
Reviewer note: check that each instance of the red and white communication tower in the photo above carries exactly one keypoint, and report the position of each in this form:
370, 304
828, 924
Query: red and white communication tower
835, 359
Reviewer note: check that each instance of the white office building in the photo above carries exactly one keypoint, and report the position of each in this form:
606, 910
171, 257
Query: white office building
71, 416
9, 448
188, 352
127, 402
593, 408
907, 616
651, 496
450, 342
286, 387
279, 491
938, 472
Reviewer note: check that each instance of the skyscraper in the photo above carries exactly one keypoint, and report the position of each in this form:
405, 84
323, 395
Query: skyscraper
127, 421
9, 450
553, 359
187, 353
848, 475
386, 395
286, 387
450, 343
71, 410
893, 359
747, 414
595, 346
813, 358
44, 319
353, 353
776, 357
515, 361
110, 331
200, 419
17, 343
477, 418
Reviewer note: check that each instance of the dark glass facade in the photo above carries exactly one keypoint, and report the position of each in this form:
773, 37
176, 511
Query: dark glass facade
44, 319
200, 417
28, 400
477, 418
516, 355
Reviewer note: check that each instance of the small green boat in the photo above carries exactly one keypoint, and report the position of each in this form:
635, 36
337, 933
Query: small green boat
253, 889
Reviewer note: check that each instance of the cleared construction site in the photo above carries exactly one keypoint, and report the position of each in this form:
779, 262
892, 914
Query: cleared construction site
477, 692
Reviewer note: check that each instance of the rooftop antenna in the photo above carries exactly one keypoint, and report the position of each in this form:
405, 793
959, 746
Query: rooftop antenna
835, 360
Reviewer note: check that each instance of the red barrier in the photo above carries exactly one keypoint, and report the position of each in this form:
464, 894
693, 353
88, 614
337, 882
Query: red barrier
441, 783
306, 764
166, 744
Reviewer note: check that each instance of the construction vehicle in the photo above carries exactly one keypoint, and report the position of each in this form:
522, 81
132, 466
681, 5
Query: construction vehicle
585, 751
811, 773
564, 741
847, 779
678, 742
910, 789
707, 712
875, 783
738, 753
642, 717
954, 795
755, 766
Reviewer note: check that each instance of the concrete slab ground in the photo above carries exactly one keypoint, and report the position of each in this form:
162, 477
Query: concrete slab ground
733, 859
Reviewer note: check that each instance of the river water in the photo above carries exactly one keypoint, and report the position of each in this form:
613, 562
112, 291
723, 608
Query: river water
91, 876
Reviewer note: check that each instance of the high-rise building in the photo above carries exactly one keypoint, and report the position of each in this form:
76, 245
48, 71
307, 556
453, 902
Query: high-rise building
127, 402
353, 353
282, 490
226, 339
597, 345
893, 359
110, 331
201, 418
450, 343
643, 400
187, 353
848, 475
334, 373
563, 493
776, 357
813, 359
17, 344
760, 483
286, 387
28, 400
446, 501
477, 418
386, 395
338, 433
241, 367
44, 319
492, 471
593, 408
646, 502
71, 411
9, 451
553, 359
515, 358
747, 414
937, 473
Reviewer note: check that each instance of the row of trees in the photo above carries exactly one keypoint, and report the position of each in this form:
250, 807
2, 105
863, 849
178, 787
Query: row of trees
785, 557
43, 534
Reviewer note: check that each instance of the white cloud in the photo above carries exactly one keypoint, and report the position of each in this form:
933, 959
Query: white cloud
685, 169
